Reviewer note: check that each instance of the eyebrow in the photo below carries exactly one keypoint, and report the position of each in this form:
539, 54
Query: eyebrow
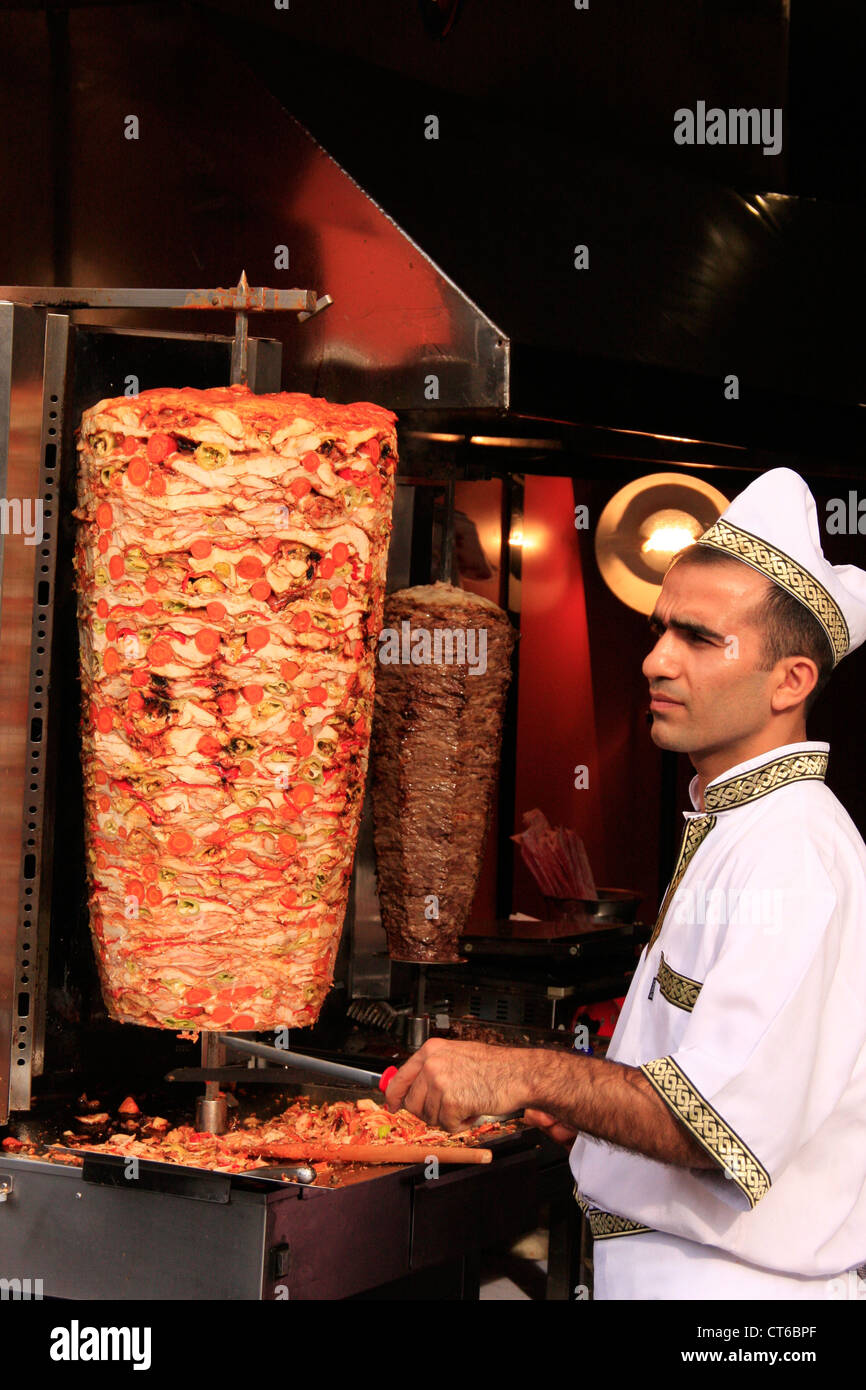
684, 625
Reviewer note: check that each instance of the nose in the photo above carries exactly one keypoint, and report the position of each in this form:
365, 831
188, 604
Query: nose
661, 662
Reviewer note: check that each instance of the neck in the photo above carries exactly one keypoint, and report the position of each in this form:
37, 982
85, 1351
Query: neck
708, 766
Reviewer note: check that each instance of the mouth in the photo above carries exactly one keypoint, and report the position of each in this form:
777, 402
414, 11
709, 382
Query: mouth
661, 703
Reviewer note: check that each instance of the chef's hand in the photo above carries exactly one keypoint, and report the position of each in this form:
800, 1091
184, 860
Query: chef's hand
449, 1084
541, 1120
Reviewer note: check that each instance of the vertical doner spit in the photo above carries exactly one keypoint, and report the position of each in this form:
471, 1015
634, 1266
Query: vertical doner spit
440, 700
230, 564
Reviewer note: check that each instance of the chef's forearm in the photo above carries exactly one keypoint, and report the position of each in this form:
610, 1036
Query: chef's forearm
609, 1101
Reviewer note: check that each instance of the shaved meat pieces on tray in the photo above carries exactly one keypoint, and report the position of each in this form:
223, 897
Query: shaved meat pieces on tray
230, 560
318, 1132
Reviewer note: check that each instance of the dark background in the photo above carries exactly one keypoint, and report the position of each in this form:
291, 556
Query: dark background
556, 127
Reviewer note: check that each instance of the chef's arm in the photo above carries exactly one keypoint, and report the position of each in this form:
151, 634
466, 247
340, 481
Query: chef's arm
613, 1102
450, 1083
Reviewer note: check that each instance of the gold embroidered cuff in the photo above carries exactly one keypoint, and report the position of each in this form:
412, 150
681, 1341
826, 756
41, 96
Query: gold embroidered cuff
708, 1128
678, 989
605, 1224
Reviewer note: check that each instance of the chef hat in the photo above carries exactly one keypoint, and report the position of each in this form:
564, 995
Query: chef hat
773, 526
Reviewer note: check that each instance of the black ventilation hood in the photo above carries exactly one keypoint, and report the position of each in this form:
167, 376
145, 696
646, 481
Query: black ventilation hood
688, 284
476, 295
691, 280
705, 315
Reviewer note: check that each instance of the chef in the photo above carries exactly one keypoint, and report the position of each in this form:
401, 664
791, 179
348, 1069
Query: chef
721, 1146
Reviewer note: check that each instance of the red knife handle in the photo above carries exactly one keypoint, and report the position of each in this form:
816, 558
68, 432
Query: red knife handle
387, 1077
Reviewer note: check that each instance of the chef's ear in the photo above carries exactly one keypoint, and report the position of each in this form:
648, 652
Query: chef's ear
796, 679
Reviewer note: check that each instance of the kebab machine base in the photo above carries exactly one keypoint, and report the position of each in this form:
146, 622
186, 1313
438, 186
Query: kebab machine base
108, 1228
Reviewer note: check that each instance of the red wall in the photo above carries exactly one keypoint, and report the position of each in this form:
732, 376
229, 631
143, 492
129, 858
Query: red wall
481, 502
556, 727
581, 695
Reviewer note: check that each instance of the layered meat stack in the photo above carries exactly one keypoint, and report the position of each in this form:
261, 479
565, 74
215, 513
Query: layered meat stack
231, 562
436, 744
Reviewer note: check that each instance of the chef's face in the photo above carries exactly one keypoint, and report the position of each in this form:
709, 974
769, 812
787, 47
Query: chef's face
707, 690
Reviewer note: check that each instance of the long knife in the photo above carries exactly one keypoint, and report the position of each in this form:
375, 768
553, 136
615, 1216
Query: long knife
377, 1081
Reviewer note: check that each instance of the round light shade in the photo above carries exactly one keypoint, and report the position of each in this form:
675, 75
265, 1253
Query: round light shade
644, 525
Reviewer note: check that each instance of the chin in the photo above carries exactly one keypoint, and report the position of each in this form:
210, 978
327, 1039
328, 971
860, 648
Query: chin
669, 739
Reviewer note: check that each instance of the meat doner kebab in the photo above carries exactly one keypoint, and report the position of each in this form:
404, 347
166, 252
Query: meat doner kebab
719, 1150
231, 563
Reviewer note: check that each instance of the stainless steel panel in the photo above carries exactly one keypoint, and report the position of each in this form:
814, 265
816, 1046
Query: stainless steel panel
86, 1241
400, 548
21, 349
265, 364
399, 328
35, 921
369, 962
369, 965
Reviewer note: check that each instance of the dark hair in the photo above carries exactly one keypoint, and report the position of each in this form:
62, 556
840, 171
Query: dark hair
789, 628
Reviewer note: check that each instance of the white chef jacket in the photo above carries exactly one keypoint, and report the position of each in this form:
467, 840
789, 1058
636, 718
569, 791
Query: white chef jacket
748, 1015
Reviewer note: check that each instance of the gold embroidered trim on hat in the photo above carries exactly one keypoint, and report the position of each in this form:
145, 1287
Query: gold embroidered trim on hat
677, 989
749, 786
785, 572
693, 835
604, 1224
708, 1127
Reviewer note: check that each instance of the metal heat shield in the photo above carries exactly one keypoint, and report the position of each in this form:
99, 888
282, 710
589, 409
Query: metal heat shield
43, 391
22, 560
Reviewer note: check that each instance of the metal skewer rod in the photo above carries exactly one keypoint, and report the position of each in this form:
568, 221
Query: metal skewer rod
211, 1114
377, 1081
421, 991
240, 343
252, 299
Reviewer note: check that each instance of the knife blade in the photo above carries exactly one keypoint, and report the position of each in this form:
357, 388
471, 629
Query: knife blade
377, 1081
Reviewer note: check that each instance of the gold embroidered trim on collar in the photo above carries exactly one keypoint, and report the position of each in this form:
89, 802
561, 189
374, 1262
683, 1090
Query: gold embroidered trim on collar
785, 572
678, 989
749, 786
708, 1127
604, 1224
693, 835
